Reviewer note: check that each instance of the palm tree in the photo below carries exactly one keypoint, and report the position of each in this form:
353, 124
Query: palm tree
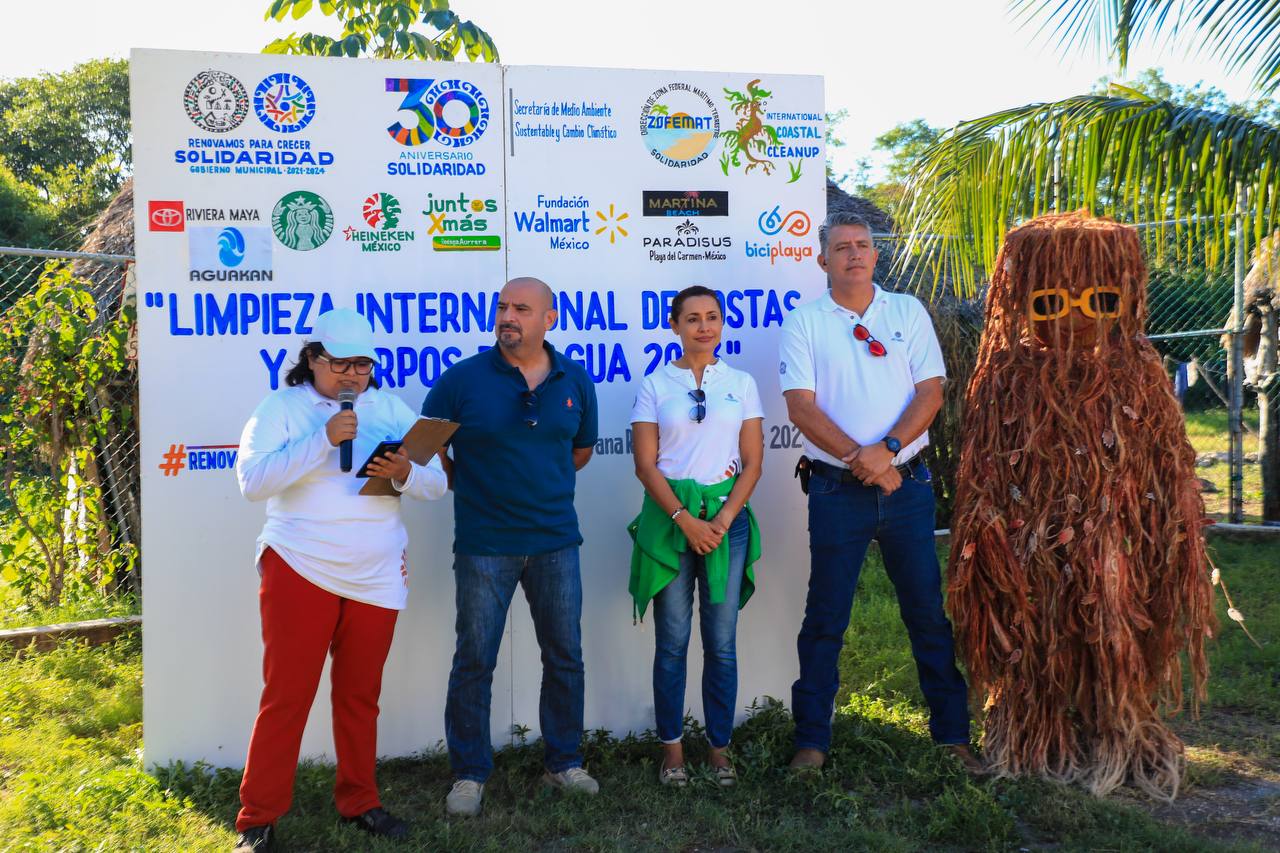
1198, 174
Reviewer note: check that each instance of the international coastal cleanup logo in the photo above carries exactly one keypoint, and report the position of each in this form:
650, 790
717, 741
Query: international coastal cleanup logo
679, 124
776, 224
381, 212
284, 102
450, 114
215, 101
461, 223
302, 220
758, 139
230, 253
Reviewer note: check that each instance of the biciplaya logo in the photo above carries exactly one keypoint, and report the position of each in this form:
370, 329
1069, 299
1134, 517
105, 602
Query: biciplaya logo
302, 220
461, 224
774, 222
381, 211
451, 113
284, 102
679, 124
215, 101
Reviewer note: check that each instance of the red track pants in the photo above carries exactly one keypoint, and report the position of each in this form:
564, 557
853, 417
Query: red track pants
301, 623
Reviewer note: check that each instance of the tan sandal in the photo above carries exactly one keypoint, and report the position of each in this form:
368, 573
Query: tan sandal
726, 776
676, 776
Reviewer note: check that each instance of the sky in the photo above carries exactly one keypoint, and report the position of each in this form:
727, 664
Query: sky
886, 63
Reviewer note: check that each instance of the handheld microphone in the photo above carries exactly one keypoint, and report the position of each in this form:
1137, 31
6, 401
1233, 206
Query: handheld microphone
347, 399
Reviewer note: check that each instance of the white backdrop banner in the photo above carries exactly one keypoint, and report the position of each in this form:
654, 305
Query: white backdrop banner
270, 189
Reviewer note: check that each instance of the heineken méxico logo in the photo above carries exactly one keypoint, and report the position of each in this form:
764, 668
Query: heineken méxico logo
381, 211
215, 101
302, 220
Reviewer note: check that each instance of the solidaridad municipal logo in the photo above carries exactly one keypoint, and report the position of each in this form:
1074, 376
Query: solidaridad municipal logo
454, 113
381, 211
231, 247
679, 124
302, 220
215, 101
284, 102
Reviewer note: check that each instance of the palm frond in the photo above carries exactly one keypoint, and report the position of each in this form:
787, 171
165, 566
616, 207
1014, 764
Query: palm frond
1133, 158
1240, 33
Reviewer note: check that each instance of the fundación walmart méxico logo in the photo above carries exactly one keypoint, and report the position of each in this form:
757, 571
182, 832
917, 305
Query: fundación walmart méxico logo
302, 220
612, 224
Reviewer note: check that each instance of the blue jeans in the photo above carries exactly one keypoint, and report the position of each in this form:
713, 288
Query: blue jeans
485, 586
843, 519
673, 623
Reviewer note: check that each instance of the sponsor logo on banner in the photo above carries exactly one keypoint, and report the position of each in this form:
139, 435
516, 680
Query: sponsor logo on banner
461, 224
686, 203
569, 223
759, 141
679, 124
381, 211
165, 216
204, 457
284, 102
451, 114
223, 214
230, 253
562, 121
302, 220
215, 101
773, 223
688, 242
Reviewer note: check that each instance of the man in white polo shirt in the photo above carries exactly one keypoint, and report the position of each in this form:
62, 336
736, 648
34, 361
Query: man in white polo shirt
862, 374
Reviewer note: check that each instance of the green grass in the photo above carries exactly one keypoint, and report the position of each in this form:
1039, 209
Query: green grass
1208, 433
70, 774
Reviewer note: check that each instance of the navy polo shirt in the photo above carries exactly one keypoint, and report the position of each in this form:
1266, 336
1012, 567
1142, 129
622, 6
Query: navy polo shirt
513, 483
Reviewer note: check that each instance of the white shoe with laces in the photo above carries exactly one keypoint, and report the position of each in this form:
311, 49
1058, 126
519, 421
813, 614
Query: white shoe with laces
464, 798
574, 779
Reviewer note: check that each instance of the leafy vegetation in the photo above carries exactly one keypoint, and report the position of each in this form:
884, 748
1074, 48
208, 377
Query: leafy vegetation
384, 29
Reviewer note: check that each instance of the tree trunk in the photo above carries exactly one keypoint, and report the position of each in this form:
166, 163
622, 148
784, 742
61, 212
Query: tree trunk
1269, 415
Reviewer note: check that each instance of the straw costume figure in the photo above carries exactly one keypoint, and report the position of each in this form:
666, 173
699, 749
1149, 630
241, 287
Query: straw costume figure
1078, 572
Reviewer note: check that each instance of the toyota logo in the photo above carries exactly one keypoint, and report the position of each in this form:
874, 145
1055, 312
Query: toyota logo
166, 217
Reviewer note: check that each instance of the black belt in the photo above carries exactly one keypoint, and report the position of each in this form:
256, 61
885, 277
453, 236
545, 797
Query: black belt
844, 475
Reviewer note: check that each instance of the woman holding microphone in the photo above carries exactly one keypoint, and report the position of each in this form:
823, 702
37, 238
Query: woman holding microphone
332, 567
699, 445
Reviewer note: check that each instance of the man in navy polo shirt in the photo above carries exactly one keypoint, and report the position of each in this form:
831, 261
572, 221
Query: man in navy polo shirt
528, 424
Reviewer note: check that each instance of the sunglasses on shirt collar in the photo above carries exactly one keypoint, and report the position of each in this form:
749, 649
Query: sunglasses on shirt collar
876, 348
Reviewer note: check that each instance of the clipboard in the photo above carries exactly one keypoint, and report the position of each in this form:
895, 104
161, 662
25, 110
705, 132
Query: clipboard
423, 440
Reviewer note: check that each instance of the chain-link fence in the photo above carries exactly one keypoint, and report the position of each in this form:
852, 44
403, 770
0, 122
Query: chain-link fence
94, 490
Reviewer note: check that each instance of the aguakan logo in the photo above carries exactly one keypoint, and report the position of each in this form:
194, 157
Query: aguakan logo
381, 211
165, 216
461, 224
230, 253
215, 101
302, 220
453, 113
773, 223
686, 203
284, 102
679, 125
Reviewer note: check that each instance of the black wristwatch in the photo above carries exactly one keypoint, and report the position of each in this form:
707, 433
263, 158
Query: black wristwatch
893, 444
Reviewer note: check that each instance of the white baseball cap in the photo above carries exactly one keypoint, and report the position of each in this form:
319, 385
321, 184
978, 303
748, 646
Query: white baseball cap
345, 334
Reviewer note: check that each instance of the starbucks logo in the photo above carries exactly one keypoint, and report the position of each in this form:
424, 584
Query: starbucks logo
381, 211
302, 220
215, 101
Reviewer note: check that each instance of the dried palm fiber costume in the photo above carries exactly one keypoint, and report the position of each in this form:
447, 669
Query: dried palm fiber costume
1078, 571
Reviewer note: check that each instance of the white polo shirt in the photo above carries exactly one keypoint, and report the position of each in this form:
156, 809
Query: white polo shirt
706, 452
350, 544
863, 394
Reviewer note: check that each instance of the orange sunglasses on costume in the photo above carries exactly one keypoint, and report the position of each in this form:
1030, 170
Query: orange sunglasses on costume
1053, 302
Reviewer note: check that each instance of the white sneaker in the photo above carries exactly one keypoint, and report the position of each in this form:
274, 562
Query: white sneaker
464, 799
573, 779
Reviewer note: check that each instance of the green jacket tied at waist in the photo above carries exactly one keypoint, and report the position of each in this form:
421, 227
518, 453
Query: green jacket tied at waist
655, 559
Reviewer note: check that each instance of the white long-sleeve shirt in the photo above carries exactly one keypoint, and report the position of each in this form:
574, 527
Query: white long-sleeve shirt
350, 544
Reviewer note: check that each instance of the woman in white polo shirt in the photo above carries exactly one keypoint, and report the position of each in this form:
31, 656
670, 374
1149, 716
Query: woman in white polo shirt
332, 563
699, 445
